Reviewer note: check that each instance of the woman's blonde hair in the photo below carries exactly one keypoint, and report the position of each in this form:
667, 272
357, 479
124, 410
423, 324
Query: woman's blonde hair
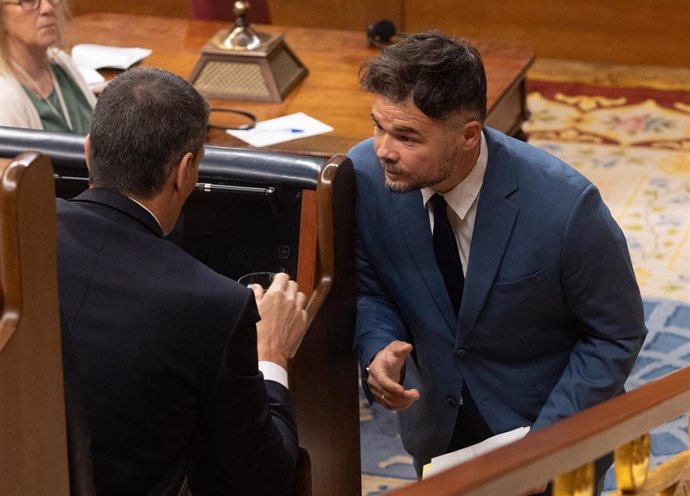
62, 15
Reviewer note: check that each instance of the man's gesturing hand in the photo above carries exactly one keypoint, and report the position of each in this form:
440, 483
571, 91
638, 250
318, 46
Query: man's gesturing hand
384, 377
283, 319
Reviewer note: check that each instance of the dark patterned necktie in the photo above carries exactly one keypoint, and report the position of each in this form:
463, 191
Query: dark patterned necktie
446, 251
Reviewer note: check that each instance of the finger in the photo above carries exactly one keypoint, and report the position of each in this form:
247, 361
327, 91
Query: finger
302, 335
291, 289
373, 385
301, 300
398, 402
383, 398
396, 393
413, 394
280, 282
258, 291
301, 324
397, 408
400, 348
401, 394
375, 388
380, 382
385, 382
395, 403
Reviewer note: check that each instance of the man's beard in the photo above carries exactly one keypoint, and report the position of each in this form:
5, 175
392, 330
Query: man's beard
447, 163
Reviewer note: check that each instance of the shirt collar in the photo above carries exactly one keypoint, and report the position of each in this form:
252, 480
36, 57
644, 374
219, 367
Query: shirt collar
465, 193
147, 209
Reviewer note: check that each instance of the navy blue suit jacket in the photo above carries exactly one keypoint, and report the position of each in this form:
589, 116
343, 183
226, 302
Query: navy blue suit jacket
551, 318
166, 355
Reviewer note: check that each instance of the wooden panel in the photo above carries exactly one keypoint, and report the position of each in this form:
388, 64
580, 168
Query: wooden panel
627, 32
33, 438
168, 8
338, 14
306, 270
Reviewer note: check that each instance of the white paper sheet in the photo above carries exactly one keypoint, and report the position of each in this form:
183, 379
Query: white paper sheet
281, 129
93, 78
101, 56
449, 460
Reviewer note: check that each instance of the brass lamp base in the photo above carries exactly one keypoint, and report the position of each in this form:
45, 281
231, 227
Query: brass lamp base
266, 73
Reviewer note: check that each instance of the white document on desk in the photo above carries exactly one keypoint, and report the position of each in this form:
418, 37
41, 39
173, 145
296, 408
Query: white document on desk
281, 129
102, 56
449, 460
93, 78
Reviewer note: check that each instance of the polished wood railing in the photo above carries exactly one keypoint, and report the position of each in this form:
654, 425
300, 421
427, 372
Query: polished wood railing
564, 452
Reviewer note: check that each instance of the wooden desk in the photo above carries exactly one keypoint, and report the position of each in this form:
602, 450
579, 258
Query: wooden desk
330, 92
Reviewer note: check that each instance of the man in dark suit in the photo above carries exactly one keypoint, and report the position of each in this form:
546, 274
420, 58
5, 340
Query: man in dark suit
529, 314
168, 352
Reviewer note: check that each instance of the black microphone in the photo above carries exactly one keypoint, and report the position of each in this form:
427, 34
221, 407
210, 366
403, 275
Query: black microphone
381, 34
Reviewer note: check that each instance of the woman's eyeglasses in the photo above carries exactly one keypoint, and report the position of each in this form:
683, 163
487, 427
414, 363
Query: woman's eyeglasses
30, 4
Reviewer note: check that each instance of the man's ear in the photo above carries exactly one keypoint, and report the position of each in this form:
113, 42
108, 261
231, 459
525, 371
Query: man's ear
185, 173
87, 150
472, 134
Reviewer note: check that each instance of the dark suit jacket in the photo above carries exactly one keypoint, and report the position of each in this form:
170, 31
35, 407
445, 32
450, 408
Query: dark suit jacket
166, 352
551, 318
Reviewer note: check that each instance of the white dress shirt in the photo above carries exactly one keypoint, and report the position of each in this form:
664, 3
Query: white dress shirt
273, 372
462, 200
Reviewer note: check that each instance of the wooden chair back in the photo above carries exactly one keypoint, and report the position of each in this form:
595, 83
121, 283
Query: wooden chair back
33, 437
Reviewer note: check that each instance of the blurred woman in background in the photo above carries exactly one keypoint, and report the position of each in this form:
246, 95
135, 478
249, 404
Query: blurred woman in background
40, 87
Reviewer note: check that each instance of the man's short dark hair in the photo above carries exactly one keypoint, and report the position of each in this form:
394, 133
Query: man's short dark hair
144, 122
442, 75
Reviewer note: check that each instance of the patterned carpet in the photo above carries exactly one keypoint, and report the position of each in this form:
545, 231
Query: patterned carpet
628, 130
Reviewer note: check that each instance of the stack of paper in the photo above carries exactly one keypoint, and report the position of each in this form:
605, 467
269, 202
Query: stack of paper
96, 82
101, 56
449, 460
89, 57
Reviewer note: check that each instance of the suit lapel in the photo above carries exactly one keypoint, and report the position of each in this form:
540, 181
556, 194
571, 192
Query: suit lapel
496, 216
413, 222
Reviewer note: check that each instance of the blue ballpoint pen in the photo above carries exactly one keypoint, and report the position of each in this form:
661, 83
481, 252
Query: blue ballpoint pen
281, 130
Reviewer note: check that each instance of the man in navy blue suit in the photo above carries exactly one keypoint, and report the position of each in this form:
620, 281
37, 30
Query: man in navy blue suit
530, 314
172, 364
